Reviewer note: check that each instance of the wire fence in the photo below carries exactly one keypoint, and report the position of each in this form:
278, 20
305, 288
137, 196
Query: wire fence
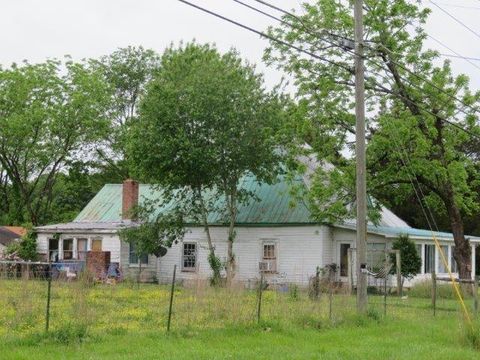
36, 299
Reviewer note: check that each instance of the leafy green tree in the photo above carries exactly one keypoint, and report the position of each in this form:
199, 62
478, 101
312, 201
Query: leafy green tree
153, 234
205, 122
410, 105
50, 113
410, 259
127, 71
26, 248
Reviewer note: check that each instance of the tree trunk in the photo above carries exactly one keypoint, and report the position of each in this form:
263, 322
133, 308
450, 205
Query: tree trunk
232, 209
463, 251
215, 265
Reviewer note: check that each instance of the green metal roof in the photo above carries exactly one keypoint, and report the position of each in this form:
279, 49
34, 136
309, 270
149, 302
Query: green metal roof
274, 205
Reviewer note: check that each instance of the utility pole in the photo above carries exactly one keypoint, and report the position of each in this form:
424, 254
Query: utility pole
361, 181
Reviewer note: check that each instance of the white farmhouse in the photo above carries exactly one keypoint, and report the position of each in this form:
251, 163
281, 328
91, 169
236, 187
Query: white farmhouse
275, 234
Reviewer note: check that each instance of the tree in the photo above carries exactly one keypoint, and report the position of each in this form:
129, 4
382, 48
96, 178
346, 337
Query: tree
153, 234
411, 104
49, 113
127, 71
26, 248
410, 259
205, 122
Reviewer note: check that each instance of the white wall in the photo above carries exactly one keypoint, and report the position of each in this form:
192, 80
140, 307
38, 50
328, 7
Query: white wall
110, 242
299, 251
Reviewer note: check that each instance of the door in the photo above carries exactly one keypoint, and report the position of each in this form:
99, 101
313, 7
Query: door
97, 245
344, 259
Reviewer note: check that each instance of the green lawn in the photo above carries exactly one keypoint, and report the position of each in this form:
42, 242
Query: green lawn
124, 322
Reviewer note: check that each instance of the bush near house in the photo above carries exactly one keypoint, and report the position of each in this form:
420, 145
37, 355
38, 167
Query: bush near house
25, 249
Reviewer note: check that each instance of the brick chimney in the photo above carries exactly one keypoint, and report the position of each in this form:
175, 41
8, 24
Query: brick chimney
129, 198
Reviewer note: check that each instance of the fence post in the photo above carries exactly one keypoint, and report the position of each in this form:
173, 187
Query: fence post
259, 301
317, 283
49, 292
330, 298
171, 297
475, 294
385, 287
350, 269
398, 264
434, 292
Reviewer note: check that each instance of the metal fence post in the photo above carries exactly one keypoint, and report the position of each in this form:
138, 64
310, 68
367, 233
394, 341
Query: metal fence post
330, 299
434, 292
398, 264
259, 302
171, 297
49, 291
475, 294
385, 287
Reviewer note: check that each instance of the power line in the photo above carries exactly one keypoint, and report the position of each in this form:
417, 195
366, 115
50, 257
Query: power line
267, 36
460, 6
460, 57
456, 19
284, 43
393, 61
453, 51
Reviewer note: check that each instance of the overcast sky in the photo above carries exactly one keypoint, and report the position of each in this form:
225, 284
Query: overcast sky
36, 30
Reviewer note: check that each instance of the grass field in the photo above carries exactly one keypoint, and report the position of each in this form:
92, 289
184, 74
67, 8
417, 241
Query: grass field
129, 322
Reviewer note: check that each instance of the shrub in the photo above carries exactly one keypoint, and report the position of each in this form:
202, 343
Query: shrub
25, 249
410, 260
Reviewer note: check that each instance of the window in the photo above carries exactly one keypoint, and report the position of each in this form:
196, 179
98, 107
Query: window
67, 249
53, 250
97, 245
344, 259
189, 257
429, 258
82, 248
441, 266
269, 258
133, 258
453, 263
376, 256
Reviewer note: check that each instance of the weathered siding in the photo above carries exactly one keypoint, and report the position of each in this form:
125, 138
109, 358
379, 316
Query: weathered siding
299, 252
130, 271
110, 242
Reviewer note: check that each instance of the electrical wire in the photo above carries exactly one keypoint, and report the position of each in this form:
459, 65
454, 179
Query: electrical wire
456, 19
288, 13
398, 64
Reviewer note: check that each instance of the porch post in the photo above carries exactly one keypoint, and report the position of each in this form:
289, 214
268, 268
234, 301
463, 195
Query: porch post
473, 260
75, 248
60, 248
422, 258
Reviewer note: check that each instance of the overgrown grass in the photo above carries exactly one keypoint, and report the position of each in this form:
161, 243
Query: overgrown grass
104, 321
423, 289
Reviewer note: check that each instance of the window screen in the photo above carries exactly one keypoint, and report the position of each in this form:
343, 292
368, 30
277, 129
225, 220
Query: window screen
189, 256
441, 267
269, 251
429, 259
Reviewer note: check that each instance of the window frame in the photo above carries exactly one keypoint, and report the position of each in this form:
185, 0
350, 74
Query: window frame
50, 251
274, 258
195, 255
138, 262
432, 267
71, 252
